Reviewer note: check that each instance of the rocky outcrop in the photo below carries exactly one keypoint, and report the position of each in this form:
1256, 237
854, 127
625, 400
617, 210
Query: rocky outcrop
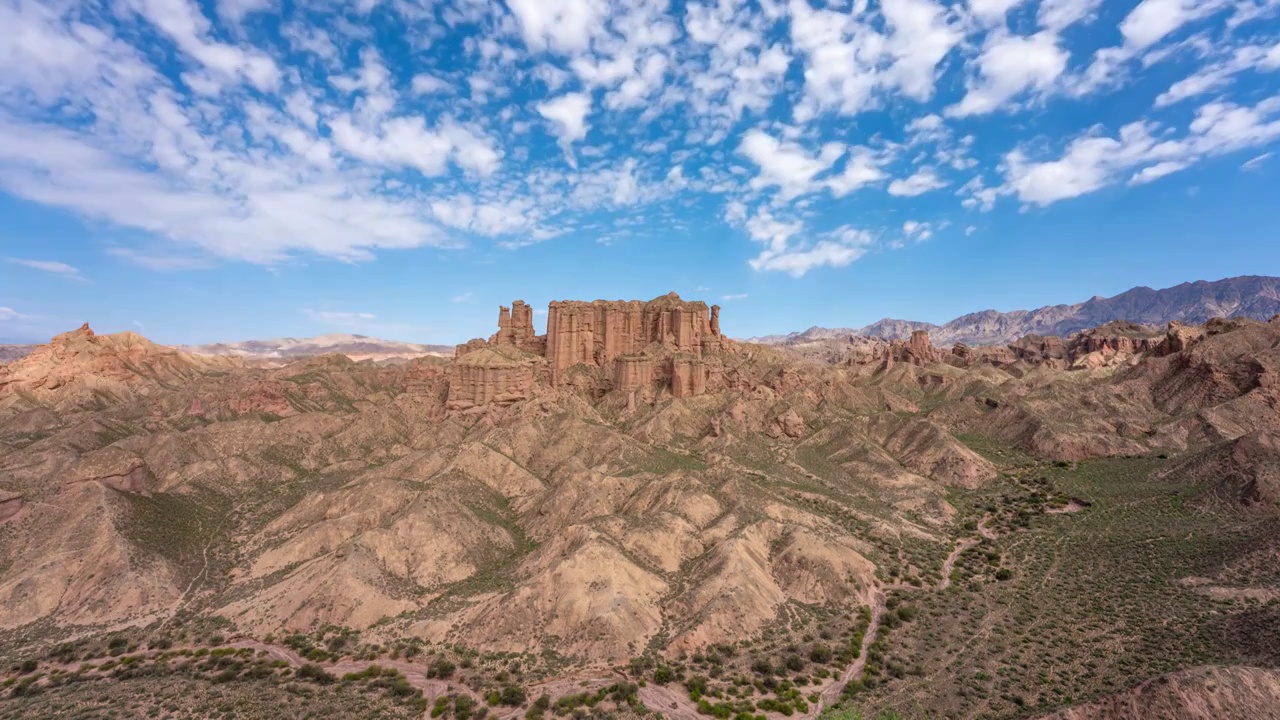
1179, 337
10, 506
496, 375
83, 367
964, 356
515, 327
918, 351
597, 333
111, 466
688, 376
1118, 337
632, 372
630, 341
1041, 350
787, 424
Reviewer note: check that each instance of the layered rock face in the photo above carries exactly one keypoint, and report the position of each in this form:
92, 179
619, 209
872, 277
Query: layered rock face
597, 333
688, 377
637, 344
632, 372
498, 376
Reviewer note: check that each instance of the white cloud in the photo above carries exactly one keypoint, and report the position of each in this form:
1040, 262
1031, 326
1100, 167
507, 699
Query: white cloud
783, 253
924, 180
921, 35
562, 25
1056, 15
49, 266
1009, 66
917, 231
992, 11
427, 84
1216, 76
407, 142
864, 167
1152, 20
734, 296
1096, 161
569, 115
187, 27
1157, 171
465, 297
8, 314
786, 165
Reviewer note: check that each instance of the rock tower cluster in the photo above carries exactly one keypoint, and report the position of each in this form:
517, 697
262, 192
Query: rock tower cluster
629, 346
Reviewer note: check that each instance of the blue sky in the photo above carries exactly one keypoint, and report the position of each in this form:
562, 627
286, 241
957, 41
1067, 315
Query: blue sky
234, 169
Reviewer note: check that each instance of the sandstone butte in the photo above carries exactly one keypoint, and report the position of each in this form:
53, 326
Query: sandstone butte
629, 346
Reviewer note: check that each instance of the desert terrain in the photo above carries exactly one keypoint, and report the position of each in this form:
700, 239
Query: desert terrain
635, 515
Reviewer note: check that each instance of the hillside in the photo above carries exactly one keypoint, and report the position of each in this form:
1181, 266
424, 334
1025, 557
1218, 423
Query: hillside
635, 513
1192, 303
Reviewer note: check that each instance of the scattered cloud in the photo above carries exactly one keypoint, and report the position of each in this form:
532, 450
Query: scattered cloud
50, 266
1256, 162
923, 181
343, 319
1142, 150
465, 297
734, 296
160, 261
245, 131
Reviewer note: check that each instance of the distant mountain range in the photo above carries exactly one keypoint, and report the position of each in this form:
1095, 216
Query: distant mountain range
13, 352
356, 347
283, 350
1247, 296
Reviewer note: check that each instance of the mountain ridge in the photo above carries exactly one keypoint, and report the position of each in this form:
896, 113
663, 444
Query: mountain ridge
1252, 296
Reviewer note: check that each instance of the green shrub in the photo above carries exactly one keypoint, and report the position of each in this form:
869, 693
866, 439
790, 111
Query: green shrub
315, 674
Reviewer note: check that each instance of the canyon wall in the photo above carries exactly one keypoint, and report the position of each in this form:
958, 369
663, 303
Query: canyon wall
634, 342
597, 333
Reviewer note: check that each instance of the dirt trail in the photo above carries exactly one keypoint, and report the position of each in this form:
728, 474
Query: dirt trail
831, 693
963, 544
985, 531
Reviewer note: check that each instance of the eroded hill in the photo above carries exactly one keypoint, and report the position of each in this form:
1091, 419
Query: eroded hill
743, 527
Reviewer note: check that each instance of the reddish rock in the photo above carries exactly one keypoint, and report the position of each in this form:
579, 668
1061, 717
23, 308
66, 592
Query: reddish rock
1041, 350
632, 372
918, 351
1179, 337
495, 375
964, 356
1119, 337
688, 377
596, 333
788, 424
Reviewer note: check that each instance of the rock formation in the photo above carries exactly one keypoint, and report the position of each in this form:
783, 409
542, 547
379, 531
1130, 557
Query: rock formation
918, 351
596, 333
498, 375
632, 372
515, 327
688, 376
636, 343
